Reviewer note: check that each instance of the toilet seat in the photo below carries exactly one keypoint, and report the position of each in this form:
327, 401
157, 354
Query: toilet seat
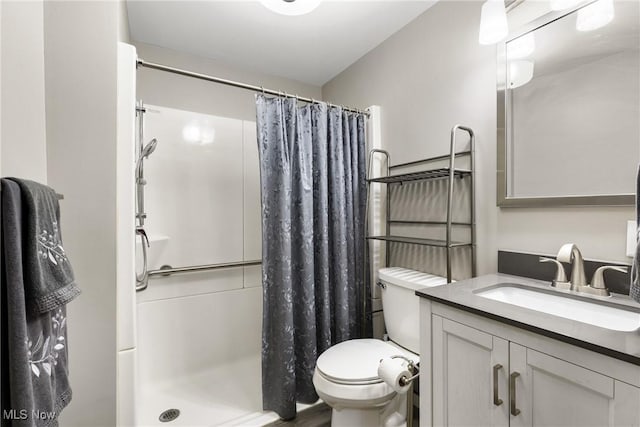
354, 362
348, 372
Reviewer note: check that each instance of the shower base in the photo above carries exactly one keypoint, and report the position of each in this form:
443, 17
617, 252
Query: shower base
226, 396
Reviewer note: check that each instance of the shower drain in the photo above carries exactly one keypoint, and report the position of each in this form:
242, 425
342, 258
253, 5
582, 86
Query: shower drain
169, 415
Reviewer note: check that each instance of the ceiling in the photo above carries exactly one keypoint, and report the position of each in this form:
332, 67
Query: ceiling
311, 48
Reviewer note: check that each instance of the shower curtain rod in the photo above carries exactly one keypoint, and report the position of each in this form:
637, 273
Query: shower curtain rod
254, 88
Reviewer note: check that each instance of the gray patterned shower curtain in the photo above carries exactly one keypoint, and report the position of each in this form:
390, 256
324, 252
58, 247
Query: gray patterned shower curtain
312, 172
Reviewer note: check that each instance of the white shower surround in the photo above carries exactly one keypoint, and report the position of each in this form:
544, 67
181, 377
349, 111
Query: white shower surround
199, 334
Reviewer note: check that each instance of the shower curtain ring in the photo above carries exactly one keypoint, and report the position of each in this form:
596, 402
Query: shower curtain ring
262, 89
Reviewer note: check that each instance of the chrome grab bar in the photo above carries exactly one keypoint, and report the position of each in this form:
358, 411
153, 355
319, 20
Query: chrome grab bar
205, 267
142, 280
163, 272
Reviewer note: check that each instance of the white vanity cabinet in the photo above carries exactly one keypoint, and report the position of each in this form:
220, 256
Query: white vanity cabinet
487, 373
469, 368
548, 391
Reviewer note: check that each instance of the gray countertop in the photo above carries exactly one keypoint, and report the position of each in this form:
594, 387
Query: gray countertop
621, 345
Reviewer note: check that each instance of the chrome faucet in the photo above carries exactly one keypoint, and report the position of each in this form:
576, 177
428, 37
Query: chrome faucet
570, 253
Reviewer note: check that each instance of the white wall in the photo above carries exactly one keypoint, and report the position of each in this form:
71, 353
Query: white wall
57, 68
123, 22
186, 93
80, 63
433, 74
24, 152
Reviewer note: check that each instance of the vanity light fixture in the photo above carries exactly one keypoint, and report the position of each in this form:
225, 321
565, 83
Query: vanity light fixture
520, 73
595, 15
521, 47
291, 7
493, 22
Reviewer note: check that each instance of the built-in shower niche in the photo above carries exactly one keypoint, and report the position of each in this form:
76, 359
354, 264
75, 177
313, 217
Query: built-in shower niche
198, 334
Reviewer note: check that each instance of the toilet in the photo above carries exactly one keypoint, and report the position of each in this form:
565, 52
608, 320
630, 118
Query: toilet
346, 375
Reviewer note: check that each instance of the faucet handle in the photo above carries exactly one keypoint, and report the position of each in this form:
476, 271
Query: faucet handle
598, 277
561, 276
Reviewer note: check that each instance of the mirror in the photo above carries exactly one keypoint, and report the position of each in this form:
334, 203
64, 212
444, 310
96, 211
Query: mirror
569, 108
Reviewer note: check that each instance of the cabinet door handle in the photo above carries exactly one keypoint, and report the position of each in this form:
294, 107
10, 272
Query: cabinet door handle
512, 393
496, 399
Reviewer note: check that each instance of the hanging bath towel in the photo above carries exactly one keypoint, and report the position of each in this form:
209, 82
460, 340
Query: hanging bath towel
35, 385
635, 268
49, 281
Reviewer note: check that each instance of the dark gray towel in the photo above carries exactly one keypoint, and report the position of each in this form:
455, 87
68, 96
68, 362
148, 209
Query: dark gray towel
34, 345
49, 281
634, 291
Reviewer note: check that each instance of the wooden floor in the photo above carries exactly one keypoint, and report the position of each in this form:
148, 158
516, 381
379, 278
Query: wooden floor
318, 416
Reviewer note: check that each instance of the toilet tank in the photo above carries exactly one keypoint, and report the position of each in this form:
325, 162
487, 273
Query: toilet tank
400, 304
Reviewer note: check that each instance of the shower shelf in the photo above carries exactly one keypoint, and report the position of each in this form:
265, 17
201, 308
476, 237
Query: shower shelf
419, 241
449, 173
421, 176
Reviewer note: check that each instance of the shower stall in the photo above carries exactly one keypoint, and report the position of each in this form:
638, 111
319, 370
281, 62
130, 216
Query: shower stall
190, 285
199, 308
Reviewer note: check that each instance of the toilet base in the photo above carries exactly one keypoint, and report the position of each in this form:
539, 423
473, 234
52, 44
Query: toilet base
392, 414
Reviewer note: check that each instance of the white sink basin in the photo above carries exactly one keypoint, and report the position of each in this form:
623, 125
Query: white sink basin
593, 313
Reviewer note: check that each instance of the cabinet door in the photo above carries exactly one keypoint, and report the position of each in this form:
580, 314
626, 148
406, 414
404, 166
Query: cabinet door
470, 370
546, 391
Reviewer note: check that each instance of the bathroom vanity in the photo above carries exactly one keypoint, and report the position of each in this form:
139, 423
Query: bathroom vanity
503, 350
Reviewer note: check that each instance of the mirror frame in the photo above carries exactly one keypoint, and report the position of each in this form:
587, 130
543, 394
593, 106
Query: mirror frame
503, 199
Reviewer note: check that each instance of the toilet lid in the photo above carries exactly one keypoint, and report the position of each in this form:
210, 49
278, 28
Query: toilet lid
354, 361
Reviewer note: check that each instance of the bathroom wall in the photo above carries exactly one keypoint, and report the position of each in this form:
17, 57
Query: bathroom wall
123, 22
57, 70
23, 136
80, 64
161, 88
433, 74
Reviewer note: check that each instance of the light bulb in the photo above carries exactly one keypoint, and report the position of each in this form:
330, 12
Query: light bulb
493, 22
563, 4
521, 47
520, 73
291, 7
595, 15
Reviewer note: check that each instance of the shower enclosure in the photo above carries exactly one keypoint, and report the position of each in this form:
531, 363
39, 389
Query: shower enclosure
199, 332
190, 327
